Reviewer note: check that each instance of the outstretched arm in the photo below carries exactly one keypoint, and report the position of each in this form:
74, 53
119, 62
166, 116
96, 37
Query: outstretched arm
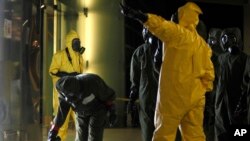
133, 14
157, 25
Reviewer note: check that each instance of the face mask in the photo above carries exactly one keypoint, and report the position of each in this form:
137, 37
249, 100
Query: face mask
228, 40
212, 41
82, 49
76, 46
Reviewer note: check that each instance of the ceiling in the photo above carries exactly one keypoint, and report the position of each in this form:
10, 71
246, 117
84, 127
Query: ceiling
231, 2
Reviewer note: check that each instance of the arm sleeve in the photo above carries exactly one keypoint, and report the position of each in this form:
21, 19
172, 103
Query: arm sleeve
81, 64
208, 76
135, 71
247, 81
55, 65
105, 93
62, 113
158, 56
243, 104
163, 29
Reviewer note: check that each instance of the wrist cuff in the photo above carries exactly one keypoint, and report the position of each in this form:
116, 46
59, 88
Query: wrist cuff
54, 127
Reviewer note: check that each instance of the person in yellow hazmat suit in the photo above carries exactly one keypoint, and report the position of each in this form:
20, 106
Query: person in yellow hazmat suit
187, 73
68, 61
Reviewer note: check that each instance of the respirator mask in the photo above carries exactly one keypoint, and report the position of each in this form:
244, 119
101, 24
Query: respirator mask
76, 46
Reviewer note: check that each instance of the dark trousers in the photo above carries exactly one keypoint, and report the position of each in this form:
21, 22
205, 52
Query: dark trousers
147, 124
90, 127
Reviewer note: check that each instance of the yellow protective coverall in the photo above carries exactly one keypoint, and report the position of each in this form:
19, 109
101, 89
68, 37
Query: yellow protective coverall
60, 63
187, 73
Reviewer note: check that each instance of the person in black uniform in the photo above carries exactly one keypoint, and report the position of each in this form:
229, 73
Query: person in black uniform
144, 76
90, 98
232, 88
208, 121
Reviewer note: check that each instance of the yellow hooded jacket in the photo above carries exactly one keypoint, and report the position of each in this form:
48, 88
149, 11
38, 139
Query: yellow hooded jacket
61, 63
187, 71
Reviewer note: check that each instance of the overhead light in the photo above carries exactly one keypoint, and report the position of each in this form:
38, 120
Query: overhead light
42, 6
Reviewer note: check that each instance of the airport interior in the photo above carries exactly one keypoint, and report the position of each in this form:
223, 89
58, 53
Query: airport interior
33, 30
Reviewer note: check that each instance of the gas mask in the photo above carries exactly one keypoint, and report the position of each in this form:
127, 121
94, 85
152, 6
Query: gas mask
228, 40
76, 46
231, 40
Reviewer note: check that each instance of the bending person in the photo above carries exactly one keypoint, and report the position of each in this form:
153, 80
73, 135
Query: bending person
90, 98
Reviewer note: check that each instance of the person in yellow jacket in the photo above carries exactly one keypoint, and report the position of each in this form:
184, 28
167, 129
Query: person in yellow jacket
68, 61
187, 73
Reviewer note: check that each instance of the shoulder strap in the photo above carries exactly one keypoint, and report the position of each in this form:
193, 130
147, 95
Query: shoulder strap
68, 55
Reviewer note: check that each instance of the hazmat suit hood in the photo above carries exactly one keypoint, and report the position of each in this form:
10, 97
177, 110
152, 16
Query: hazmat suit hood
188, 15
75, 55
69, 37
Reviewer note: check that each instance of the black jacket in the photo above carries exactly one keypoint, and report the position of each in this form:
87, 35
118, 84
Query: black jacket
232, 90
94, 95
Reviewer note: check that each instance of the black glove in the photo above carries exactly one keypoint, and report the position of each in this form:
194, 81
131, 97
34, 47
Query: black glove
112, 115
131, 107
134, 14
133, 95
131, 104
62, 73
52, 136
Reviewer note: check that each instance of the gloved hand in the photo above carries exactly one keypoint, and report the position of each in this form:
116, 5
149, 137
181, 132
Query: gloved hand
52, 136
133, 96
131, 104
73, 73
62, 73
112, 115
131, 107
134, 14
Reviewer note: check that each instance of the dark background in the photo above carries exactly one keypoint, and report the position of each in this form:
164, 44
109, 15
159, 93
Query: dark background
219, 15
214, 15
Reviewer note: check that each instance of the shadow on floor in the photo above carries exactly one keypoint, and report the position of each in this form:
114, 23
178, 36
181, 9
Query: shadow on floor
113, 134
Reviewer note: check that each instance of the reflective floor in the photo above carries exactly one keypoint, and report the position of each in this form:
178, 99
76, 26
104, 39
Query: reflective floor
114, 134
110, 134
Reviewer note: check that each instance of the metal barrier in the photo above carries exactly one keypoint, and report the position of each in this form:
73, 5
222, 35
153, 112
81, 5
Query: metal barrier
125, 99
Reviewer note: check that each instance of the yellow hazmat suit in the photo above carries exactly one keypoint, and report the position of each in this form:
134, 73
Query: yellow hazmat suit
61, 63
187, 73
